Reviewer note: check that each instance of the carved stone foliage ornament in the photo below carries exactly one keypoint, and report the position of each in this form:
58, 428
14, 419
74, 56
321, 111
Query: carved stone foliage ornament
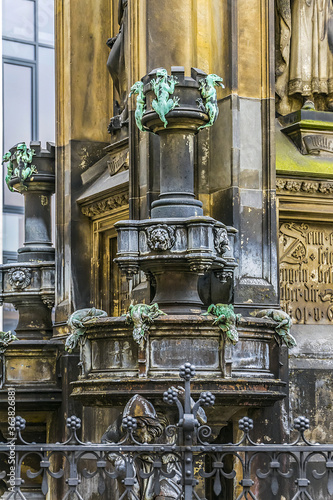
221, 240
100, 207
160, 237
296, 186
141, 316
226, 320
208, 100
283, 324
19, 277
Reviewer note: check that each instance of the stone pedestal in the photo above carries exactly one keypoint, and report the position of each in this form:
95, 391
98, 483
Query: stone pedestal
178, 243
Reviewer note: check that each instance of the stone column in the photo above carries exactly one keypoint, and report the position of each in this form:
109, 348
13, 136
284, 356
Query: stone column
29, 284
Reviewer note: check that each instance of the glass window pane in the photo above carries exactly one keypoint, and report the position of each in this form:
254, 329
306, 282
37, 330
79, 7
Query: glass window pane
46, 95
18, 19
16, 49
17, 109
10, 317
46, 21
12, 232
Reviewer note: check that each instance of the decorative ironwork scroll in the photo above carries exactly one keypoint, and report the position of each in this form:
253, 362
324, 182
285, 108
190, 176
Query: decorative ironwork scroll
181, 464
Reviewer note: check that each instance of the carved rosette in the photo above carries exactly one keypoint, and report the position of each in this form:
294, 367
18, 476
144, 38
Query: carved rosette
19, 278
160, 237
221, 240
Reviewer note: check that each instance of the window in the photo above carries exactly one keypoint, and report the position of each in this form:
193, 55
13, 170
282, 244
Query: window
28, 100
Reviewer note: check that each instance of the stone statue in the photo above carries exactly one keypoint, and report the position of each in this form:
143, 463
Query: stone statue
149, 427
117, 66
304, 62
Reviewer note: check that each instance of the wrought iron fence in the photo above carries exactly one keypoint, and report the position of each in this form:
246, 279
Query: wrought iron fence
178, 468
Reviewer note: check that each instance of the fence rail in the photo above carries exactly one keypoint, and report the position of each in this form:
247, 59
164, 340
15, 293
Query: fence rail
185, 466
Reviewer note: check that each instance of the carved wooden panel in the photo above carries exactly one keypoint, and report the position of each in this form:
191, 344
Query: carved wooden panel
306, 271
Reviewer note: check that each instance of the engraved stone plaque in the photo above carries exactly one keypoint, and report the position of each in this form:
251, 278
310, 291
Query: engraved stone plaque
306, 272
171, 353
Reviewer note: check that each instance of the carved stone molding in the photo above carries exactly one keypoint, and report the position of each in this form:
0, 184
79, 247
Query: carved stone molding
299, 186
160, 237
19, 277
99, 207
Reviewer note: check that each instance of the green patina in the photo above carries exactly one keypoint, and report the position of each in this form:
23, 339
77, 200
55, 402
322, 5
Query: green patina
290, 161
5, 339
164, 85
226, 320
78, 323
10, 168
283, 324
137, 88
141, 316
23, 170
208, 100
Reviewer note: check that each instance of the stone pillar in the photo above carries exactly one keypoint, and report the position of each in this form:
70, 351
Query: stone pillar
29, 284
84, 107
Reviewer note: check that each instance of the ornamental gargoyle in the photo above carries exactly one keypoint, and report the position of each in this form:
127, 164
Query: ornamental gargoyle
283, 324
141, 316
78, 323
226, 320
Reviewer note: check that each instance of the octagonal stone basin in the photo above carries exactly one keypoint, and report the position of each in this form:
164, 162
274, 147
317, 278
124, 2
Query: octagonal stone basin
113, 365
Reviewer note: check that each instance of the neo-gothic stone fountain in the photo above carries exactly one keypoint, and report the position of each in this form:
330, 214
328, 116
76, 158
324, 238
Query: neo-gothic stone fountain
178, 243
173, 247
